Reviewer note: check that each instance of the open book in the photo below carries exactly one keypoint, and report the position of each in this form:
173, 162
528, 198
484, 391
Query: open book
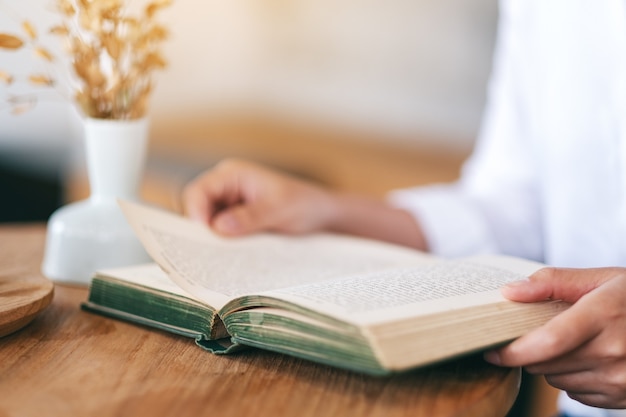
348, 302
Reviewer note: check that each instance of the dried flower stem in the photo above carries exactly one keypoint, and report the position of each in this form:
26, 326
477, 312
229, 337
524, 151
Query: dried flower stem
113, 54
27, 37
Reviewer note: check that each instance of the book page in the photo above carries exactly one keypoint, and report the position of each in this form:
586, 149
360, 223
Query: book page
406, 292
217, 269
148, 275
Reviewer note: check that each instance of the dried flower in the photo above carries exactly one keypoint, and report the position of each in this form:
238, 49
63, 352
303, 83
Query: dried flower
6, 78
29, 29
43, 80
43, 53
10, 41
22, 104
14, 42
112, 54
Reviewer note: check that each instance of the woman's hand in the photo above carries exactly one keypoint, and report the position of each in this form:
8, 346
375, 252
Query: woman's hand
582, 350
239, 197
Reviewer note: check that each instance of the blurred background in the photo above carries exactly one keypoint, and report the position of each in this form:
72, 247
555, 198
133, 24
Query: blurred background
328, 89
361, 95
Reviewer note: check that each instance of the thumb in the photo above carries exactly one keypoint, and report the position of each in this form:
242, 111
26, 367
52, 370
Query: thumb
557, 284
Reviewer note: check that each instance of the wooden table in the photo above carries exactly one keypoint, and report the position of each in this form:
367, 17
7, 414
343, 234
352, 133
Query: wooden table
68, 362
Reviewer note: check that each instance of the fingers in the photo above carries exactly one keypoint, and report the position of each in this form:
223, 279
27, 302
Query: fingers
557, 284
603, 384
588, 373
242, 220
195, 203
238, 198
582, 350
215, 190
599, 399
202, 195
527, 291
589, 388
557, 337
596, 294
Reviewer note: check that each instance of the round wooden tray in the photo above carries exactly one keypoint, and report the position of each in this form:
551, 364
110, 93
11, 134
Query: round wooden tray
22, 297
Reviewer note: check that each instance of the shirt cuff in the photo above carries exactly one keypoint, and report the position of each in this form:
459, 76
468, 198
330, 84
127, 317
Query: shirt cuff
452, 224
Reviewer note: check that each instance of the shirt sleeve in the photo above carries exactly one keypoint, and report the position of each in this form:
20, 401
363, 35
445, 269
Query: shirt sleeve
494, 207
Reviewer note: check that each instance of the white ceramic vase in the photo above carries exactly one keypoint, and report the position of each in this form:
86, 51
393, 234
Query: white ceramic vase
93, 234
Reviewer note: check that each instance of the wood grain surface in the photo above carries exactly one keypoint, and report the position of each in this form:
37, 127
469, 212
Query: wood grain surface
24, 293
68, 362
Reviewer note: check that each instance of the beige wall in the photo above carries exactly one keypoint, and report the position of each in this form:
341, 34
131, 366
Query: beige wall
397, 65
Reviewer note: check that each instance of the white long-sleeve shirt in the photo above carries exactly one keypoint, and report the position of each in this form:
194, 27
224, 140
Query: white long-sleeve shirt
547, 179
